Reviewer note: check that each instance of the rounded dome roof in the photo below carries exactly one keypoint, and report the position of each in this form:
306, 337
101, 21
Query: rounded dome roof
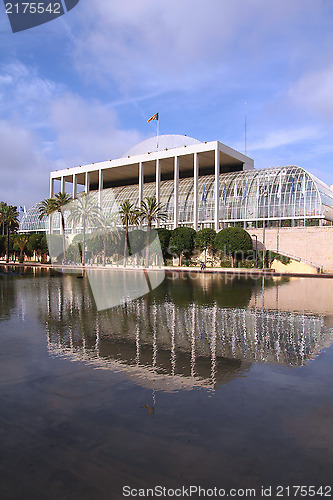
164, 141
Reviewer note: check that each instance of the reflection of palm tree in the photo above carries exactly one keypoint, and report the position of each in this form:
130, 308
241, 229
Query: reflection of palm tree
151, 211
129, 217
83, 210
9, 216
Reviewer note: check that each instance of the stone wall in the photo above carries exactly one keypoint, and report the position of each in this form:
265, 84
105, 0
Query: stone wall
311, 245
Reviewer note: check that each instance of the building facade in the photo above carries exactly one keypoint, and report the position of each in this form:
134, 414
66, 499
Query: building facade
199, 184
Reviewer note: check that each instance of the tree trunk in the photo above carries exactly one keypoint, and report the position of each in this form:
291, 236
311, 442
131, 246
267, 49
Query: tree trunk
7, 244
63, 235
104, 249
147, 244
84, 244
125, 244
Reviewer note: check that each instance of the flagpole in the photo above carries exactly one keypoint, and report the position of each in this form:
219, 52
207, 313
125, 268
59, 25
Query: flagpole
158, 119
245, 128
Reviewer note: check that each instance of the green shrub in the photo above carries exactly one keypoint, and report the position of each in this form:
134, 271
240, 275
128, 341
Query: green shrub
234, 241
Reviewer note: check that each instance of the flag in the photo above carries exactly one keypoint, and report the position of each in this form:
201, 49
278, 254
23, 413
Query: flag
204, 193
154, 117
224, 190
22, 209
235, 190
292, 186
245, 192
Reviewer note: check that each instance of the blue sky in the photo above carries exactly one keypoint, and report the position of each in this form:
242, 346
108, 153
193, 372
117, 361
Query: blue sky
80, 89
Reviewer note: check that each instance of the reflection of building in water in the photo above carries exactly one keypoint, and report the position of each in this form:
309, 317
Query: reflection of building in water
309, 295
165, 345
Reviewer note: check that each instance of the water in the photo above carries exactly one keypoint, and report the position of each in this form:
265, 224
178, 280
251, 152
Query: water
208, 381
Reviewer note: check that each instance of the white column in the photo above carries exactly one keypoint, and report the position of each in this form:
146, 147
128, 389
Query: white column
74, 186
51, 187
158, 181
175, 197
87, 183
100, 187
62, 188
195, 191
217, 189
141, 181
158, 184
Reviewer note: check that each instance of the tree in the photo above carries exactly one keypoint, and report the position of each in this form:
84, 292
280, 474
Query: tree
129, 216
20, 244
2, 245
38, 244
164, 237
205, 240
107, 229
84, 211
106, 239
9, 216
151, 211
2, 206
182, 241
234, 241
56, 204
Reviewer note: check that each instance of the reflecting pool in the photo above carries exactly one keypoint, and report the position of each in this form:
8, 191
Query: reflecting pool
209, 380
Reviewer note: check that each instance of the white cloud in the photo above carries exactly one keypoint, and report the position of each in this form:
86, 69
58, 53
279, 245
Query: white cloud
86, 131
46, 129
163, 45
25, 96
313, 92
279, 138
24, 171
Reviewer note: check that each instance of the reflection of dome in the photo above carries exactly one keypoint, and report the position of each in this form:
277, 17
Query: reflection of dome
121, 357
164, 142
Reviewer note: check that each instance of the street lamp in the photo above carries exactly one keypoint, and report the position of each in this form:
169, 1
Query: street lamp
256, 237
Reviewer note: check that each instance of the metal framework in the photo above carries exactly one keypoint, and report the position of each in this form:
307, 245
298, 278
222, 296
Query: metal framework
286, 195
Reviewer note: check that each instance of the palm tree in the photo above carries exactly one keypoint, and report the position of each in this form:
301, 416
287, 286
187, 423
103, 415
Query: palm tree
85, 211
151, 211
10, 217
59, 201
129, 216
21, 241
56, 204
2, 206
46, 208
107, 228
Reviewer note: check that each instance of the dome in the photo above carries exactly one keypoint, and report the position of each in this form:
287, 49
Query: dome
164, 142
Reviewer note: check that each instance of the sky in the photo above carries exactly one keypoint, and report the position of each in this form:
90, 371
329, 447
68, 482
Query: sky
80, 88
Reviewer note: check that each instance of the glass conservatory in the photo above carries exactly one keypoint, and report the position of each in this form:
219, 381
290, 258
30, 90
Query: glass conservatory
279, 196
